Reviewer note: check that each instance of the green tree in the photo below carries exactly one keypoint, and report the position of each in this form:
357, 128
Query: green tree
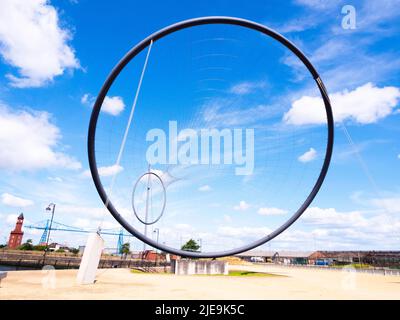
39, 248
27, 245
125, 249
191, 245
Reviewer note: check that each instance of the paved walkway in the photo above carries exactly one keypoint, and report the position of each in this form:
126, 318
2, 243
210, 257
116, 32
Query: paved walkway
122, 284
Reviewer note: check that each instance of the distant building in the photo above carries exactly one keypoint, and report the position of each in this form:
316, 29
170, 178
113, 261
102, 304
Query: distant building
324, 258
373, 258
151, 255
109, 251
57, 246
81, 250
281, 257
17, 234
390, 259
382, 258
136, 254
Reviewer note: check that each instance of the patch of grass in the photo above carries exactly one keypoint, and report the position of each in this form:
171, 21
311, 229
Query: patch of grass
145, 272
353, 265
137, 271
243, 273
232, 273
361, 266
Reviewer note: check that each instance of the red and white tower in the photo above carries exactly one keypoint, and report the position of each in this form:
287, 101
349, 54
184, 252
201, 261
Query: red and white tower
17, 234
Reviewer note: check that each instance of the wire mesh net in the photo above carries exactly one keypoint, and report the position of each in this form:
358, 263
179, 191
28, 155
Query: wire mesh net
223, 119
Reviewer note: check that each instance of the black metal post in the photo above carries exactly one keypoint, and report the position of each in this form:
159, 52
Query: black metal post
158, 234
48, 234
201, 244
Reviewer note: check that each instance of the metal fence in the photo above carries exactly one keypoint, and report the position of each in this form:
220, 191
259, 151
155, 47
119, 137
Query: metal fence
37, 262
380, 271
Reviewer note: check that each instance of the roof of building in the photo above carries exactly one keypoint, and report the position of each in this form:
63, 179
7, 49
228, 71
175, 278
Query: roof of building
55, 244
21, 216
271, 253
348, 254
319, 254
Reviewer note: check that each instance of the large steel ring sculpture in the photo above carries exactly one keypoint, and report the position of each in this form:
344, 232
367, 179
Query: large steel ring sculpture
144, 44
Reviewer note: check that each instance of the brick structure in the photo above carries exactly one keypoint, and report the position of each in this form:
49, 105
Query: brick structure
17, 234
151, 255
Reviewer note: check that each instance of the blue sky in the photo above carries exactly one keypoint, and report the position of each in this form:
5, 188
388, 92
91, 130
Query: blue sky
56, 55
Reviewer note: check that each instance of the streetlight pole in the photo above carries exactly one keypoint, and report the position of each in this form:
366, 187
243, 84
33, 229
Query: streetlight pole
201, 244
51, 207
147, 207
158, 235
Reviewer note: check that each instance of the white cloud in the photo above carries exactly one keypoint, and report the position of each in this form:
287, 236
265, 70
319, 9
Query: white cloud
111, 105
106, 171
82, 223
92, 225
318, 228
11, 219
346, 152
330, 217
28, 141
354, 229
350, 69
398, 156
271, 211
330, 50
243, 232
317, 4
366, 104
388, 204
14, 201
311, 19
110, 171
373, 13
82, 211
297, 25
308, 156
56, 179
246, 87
227, 112
243, 205
184, 227
167, 177
86, 98
158, 172
205, 188
32, 40
227, 218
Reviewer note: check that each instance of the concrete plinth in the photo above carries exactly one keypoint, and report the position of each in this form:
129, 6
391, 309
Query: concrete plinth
188, 267
90, 260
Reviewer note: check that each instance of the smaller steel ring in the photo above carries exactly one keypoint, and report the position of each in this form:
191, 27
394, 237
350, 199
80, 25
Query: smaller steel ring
164, 203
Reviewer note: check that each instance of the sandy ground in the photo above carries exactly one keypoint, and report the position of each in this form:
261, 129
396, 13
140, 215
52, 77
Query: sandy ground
295, 283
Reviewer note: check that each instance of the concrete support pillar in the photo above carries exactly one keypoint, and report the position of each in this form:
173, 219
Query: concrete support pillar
90, 260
